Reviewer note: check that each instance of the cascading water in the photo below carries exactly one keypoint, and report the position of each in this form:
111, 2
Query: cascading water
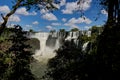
85, 46
73, 36
49, 42
88, 33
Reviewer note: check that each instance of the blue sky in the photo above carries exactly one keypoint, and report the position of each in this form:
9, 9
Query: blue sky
67, 16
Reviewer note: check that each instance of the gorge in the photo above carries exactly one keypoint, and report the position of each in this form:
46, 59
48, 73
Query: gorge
49, 42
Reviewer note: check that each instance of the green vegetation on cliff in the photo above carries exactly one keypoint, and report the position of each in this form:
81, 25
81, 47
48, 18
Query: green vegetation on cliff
15, 55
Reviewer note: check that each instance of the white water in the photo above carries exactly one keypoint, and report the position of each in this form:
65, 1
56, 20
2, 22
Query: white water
49, 42
72, 35
88, 33
45, 52
85, 46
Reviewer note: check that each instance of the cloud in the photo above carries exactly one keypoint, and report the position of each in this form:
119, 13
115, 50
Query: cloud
35, 22
42, 11
27, 27
71, 25
30, 26
23, 11
33, 13
74, 6
73, 21
14, 18
87, 27
56, 5
74, 26
49, 27
104, 12
10, 25
84, 4
70, 7
64, 19
62, 2
80, 20
4, 9
55, 24
49, 16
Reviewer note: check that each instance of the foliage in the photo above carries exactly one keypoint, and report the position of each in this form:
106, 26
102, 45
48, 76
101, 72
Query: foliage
5, 58
108, 47
15, 60
22, 56
62, 30
52, 31
34, 43
31, 31
71, 63
108, 53
95, 32
74, 29
60, 66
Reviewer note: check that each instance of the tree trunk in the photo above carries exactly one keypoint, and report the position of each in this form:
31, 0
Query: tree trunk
5, 18
110, 20
118, 11
107, 42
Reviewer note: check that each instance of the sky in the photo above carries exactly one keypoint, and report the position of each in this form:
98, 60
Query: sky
67, 16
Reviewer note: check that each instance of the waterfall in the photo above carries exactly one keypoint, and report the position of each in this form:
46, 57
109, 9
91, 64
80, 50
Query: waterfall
88, 33
72, 35
84, 47
49, 42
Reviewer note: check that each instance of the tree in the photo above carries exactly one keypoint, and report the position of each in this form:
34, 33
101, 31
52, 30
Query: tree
5, 57
52, 31
31, 30
60, 67
62, 30
112, 7
25, 3
96, 30
21, 56
71, 63
108, 43
74, 29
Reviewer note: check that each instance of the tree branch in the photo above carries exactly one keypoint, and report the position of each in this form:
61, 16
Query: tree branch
14, 8
5, 18
2, 16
